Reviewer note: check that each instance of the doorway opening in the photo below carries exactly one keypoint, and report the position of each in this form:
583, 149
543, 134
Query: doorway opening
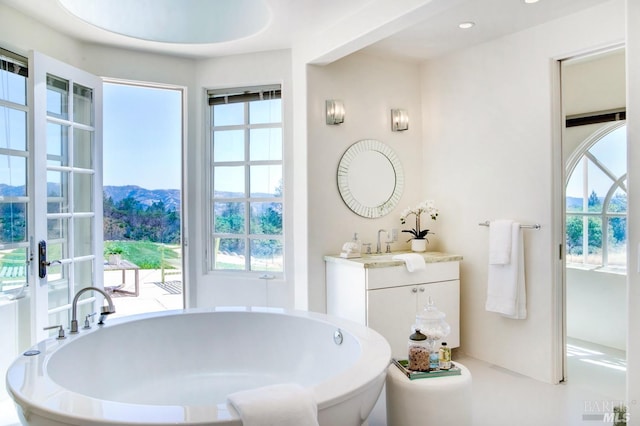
142, 181
595, 220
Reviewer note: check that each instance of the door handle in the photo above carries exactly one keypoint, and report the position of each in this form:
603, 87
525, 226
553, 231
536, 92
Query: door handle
42, 259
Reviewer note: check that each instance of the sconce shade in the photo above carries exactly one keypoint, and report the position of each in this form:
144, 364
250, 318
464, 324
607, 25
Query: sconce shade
399, 120
335, 112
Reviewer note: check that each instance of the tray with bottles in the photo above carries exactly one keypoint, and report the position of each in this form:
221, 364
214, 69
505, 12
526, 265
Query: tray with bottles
402, 364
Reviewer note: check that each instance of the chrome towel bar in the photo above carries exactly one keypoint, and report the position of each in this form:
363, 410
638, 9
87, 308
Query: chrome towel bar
534, 226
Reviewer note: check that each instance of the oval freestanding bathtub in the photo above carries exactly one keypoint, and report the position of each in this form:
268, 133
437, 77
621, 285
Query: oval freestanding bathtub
177, 367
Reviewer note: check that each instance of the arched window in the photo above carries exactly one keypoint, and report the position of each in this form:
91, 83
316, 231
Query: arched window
596, 200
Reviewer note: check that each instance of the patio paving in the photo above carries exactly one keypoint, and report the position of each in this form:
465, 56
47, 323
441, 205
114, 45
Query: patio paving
153, 297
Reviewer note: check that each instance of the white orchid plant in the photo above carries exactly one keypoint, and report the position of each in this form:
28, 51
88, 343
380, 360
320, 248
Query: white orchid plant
427, 207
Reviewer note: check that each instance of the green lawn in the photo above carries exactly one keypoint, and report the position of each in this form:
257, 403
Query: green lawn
145, 254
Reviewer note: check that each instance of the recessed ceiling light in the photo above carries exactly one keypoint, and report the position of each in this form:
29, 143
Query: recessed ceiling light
531, 1
466, 25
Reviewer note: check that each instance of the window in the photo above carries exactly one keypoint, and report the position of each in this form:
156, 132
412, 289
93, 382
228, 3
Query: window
596, 202
246, 186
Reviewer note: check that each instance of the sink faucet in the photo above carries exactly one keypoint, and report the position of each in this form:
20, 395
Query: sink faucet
106, 310
378, 246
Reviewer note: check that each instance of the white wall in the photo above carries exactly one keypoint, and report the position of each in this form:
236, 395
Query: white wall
488, 154
633, 159
597, 307
369, 86
591, 85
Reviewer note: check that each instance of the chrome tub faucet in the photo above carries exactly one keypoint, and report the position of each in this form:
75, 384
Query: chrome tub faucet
105, 310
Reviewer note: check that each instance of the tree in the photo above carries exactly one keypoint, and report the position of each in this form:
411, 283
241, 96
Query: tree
574, 235
593, 202
130, 220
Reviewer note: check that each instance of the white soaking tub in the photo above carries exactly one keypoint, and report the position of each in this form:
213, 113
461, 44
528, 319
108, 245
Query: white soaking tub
178, 367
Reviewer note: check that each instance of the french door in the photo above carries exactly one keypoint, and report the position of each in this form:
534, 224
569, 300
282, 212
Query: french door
65, 181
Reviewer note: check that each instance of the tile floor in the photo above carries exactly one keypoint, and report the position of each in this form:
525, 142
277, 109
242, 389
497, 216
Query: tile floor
595, 378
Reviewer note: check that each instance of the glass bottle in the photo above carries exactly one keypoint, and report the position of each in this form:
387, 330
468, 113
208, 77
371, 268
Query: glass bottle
445, 356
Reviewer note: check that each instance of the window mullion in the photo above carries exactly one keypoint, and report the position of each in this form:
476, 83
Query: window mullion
247, 189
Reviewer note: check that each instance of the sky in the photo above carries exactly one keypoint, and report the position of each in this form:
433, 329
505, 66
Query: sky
142, 136
611, 151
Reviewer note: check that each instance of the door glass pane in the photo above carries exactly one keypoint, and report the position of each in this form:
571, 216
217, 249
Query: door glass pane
83, 275
83, 192
83, 148
13, 128
56, 233
82, 105
13, 176
57, 144
58, 284
57, 201
57, 97
13, 223
83, 237
13, 269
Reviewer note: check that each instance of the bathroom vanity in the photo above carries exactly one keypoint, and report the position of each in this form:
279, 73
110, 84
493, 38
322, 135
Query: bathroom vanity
381, 293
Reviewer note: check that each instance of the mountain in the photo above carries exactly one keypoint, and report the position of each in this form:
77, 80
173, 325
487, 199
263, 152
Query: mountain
170, 197
574, 203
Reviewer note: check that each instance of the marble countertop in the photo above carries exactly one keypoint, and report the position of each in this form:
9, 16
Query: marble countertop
386, 260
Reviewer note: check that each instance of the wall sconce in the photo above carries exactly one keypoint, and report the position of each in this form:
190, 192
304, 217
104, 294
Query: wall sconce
399, 120
335, 111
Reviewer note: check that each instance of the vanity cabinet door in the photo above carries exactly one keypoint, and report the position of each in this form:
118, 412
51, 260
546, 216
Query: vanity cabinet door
446, 297
391, 312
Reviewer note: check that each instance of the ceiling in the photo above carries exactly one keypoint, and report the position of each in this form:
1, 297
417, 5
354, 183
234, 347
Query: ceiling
423, 30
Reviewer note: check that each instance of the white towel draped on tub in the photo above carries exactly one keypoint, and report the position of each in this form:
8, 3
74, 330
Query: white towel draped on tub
506, 291
276, 405
413, 261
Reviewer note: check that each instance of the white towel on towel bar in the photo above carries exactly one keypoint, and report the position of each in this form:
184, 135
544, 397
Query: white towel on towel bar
500, 242
506, 290
276, 405
413, 261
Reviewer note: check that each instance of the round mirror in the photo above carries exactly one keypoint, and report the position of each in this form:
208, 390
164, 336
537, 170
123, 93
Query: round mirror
370, 178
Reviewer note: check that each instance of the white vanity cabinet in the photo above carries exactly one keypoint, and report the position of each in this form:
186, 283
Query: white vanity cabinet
380, 293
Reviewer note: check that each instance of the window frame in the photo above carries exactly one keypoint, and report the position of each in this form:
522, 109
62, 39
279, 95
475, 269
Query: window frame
582, 153
245, 95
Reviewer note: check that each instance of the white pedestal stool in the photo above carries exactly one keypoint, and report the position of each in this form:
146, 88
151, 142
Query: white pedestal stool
437, 401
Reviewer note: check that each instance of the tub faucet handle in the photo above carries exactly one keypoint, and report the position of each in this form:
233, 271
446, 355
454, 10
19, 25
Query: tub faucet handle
60, 331
87, 325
